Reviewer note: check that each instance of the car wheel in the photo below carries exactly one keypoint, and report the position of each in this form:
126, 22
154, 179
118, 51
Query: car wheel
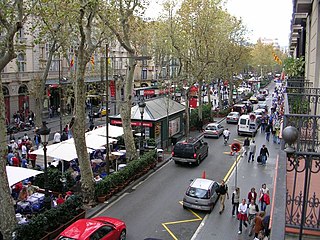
184, 207
176, 162
123, 235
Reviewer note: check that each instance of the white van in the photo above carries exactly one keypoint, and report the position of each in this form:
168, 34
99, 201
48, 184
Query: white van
248, 125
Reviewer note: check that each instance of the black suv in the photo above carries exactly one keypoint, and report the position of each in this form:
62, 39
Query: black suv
190, 151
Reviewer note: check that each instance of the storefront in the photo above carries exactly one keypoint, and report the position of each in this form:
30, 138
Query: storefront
163, 120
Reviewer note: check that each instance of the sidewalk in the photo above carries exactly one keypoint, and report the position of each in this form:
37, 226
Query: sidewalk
224, 226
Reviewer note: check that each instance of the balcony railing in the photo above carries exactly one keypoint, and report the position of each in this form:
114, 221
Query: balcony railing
302, 207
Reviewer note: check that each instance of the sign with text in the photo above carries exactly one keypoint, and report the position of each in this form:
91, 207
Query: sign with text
119, 122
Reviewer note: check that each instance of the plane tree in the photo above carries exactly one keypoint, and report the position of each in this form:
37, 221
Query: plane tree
13, 15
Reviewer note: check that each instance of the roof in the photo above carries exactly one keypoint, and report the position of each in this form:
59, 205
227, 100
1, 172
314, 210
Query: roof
202, 183
155, 109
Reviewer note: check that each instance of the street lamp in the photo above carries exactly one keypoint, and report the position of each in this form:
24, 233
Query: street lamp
44, 132
142, 105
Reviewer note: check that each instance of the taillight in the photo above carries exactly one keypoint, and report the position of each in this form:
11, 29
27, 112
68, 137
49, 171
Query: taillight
215, 132
172, 153
209, 193
228, 118
194, 155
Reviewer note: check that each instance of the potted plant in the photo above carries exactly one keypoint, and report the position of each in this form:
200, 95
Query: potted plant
151, 143
100, 191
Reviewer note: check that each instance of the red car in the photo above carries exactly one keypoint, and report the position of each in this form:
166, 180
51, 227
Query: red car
102, 228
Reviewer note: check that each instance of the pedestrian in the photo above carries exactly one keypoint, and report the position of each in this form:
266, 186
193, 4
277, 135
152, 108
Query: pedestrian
268, 132
258, 226
252, 195
266, 223
263, 123
253, 209
223, 191
32, 157
242, 215
252, 150
264, 154
56, 137
235, 199
264, 194
246, 144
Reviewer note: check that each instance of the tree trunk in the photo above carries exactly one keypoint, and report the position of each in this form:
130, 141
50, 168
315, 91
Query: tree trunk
219, 95
38, 97
7, 214
78, 130
209, 101
125, 111
200, 103
187, 111
231, 91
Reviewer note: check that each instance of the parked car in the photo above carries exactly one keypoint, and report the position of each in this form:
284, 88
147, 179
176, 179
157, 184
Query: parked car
104, 228
213, 130
259, 114
261, 97
233, 117
192, 151
201, 194
253, 99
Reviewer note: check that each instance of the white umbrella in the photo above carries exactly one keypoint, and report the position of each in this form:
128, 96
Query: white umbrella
114, 131
65, 150
17, 174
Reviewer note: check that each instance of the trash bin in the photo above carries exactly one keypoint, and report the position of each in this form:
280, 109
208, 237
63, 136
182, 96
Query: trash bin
160, 154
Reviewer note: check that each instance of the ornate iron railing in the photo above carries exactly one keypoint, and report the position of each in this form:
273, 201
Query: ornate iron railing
299, 83
303, 166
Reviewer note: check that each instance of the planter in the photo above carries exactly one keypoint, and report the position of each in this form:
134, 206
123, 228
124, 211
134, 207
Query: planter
54, 233
101, 199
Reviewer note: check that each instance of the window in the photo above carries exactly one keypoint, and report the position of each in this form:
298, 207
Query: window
144, 74
243, 121
21, 62
197, 193
101, 233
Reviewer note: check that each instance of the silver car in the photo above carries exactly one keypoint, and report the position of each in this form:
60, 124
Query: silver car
213, 130
233, 117
201, 194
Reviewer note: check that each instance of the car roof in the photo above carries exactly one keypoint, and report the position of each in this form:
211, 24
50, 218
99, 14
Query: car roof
212, 124
202, 183
83, 228
232, 113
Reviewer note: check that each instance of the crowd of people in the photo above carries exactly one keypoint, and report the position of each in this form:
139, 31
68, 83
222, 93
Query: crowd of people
252, 211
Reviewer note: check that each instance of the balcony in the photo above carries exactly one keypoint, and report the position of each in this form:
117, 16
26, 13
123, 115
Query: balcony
297, 194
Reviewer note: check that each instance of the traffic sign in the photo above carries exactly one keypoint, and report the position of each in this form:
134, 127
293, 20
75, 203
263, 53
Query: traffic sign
235, 147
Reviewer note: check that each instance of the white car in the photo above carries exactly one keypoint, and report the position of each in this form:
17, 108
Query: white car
233, 117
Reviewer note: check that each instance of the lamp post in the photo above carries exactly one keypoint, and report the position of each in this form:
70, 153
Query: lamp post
142, 105
44, 132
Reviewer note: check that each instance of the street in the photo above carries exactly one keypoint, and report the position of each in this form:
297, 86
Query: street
152, 208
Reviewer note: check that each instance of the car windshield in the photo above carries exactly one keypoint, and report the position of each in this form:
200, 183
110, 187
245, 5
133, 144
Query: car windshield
211, 128
198, 193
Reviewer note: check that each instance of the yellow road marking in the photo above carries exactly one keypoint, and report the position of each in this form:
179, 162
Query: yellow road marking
198, 218
231, 169
165, 225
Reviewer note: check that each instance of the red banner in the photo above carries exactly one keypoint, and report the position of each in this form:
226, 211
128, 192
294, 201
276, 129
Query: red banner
112, 88
145, 124
148, 92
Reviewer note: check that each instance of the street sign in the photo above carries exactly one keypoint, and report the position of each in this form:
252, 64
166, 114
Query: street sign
235, 147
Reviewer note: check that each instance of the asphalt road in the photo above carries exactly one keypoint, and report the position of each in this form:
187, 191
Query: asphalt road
152, 208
